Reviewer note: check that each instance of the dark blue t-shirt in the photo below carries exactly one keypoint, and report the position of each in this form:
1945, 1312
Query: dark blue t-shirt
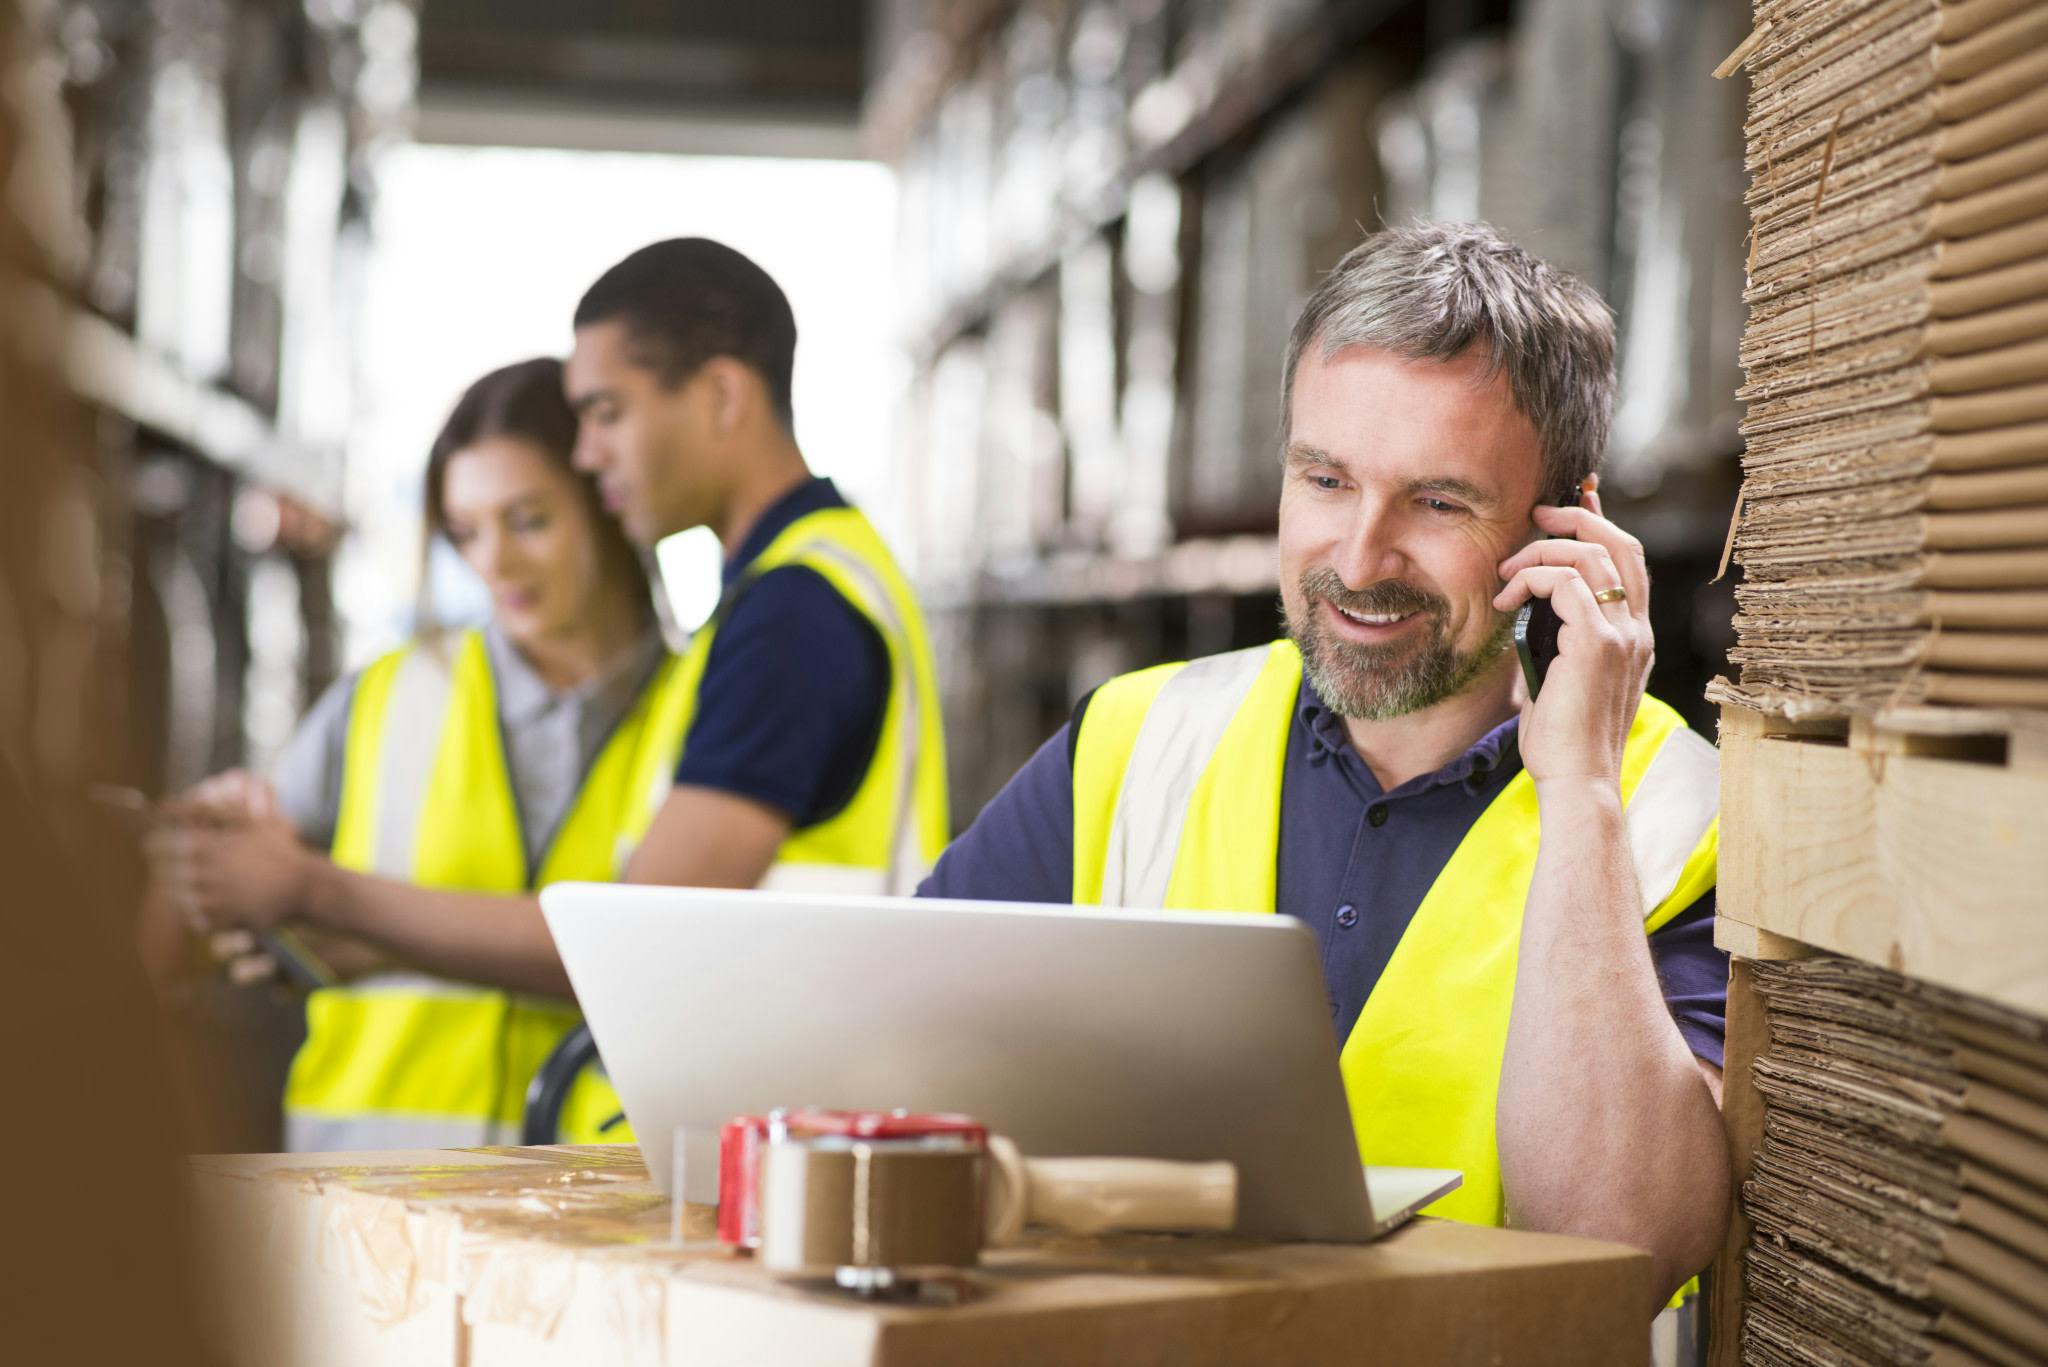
796, 684
1354, 863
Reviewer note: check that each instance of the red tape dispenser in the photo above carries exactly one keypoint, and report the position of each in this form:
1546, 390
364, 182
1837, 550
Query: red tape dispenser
865, 1195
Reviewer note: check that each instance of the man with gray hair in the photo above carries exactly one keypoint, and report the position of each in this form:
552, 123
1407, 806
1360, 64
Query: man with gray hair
1513, 894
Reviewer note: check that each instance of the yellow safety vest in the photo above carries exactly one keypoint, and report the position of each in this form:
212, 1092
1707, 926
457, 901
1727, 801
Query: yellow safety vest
407, 1061
410, 1060
1177, 777
887, 837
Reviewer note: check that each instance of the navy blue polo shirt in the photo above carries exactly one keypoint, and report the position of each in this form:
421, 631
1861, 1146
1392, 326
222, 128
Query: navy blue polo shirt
796, 685
1354, 864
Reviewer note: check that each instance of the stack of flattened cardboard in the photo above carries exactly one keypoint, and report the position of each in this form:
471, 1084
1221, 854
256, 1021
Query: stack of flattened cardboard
1894, 528
1900, 1195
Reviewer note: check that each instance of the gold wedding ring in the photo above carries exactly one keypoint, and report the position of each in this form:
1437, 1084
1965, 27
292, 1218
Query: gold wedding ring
1614, 594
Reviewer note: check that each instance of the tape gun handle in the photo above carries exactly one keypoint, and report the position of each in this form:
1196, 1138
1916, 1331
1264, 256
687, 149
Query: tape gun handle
1096, 1195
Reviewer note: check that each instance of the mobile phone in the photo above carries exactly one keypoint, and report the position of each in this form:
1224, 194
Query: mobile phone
1536, 628
295, 959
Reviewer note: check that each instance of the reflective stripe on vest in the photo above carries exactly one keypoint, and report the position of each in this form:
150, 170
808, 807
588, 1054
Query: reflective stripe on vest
1177, 779
427, 799
889, 834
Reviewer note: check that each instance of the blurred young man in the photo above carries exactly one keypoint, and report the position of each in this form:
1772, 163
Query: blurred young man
815, 755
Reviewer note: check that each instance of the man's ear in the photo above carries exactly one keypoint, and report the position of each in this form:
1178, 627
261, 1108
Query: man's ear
732, 392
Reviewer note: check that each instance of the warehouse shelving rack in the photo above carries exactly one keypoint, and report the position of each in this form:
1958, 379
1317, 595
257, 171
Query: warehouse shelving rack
1092, 603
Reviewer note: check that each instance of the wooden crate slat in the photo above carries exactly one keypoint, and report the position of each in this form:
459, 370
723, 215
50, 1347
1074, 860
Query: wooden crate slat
1880, 845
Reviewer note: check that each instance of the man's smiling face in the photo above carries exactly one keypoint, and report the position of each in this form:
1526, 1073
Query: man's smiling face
1406, 484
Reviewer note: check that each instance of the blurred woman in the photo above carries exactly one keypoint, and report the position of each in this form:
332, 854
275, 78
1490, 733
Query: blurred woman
499, 760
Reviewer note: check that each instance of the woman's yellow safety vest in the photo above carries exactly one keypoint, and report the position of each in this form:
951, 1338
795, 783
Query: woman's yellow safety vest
409, 1060
1177, 777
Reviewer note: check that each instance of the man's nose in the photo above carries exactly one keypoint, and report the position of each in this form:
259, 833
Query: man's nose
1370, 550
588, 453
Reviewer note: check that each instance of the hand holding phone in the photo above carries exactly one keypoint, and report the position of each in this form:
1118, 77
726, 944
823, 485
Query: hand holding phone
1536, 628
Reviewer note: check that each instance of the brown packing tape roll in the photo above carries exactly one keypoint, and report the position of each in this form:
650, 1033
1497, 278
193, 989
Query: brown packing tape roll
1987, 529
1992, 408
2027, 1202
1962, 18
1987, 652
880, 1204
1960, 59
1989, 291
1993, 449
1989, 488
2012, 611
1996, 1312
2000, 206
1999, 126
2009, 80
2006, 1225
1962, 178
1984, 690
1990, 251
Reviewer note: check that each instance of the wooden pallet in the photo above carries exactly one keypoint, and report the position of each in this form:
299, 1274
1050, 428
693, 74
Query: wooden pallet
1917, 838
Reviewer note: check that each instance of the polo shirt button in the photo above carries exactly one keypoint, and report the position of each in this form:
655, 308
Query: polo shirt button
1347, 916
1377, 814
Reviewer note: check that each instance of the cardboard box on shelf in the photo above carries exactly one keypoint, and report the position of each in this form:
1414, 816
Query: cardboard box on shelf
542, 1256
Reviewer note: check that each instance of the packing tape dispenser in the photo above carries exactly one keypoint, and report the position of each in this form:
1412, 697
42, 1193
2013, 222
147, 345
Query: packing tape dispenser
865, 1195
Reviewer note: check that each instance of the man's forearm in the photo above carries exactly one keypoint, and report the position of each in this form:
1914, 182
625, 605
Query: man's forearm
478, 937
1605, 1125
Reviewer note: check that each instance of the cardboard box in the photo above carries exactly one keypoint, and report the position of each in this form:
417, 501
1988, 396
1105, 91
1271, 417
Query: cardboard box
525, 1257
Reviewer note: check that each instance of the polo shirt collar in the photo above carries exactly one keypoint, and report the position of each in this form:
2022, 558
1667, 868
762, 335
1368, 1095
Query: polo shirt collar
813, 495
1328, 740
523, 695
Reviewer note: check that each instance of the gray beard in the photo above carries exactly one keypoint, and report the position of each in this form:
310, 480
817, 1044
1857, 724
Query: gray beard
1379, 683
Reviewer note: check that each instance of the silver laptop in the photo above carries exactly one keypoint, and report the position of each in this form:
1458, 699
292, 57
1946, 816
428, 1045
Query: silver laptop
1194, 1036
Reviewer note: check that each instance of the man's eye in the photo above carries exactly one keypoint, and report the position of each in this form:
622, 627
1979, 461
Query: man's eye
1437, 505
1326, 482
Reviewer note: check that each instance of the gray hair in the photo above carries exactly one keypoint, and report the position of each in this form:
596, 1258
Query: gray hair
1428, 291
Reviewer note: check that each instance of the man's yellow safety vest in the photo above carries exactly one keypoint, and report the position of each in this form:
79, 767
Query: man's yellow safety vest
408, 1060
1177, 778
890, 833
